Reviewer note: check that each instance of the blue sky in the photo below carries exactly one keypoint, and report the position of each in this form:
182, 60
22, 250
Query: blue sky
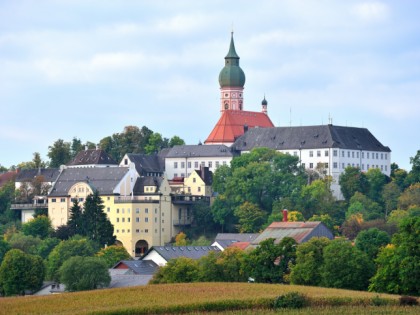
86, 69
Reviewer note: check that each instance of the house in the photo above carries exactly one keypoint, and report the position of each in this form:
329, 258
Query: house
160, 255
146, 165
301, 232
129, 273
182, 160
92, 158
327, 149
240, 240
234, 120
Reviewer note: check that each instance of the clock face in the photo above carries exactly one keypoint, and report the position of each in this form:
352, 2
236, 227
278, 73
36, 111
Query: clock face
233, 95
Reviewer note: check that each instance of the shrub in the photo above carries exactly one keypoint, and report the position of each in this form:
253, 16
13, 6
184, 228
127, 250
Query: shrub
408, 300
291, 300
378, 301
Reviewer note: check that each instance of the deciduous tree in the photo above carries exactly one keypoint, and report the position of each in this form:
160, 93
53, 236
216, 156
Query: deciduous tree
370, 241
113, 254
59, 153
39, 226
352, 180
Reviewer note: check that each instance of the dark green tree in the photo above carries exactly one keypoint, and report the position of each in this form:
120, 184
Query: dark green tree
352, 180
59, 153
26, 243
177, 270
20, 272
7, 195
369, 209
370, 241
398, 264
229, 264
4, 248
202, 218
76, 147
345, 266
251, 218
309, 261
84, 273
96, 224
113, 254
316, 198
156, 143
39, 226
45, 247
414, 175
376, 183
75, 222
64, 250
175, 140
390, 194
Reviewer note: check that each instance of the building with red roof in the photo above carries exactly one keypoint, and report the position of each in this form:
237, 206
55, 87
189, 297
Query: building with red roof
234, 121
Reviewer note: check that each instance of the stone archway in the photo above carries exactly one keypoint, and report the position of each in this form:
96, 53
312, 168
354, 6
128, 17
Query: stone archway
141, 248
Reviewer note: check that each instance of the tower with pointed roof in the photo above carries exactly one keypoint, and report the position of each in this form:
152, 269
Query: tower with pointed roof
232, 81
234, 119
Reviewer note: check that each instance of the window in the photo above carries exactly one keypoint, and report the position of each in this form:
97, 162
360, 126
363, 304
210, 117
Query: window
81, 199
128, 211
335, 165
363, 167
125, 161
155, 220
386, 156
53, 200
155, 211
311, 165
373, 155
303, 165
122, 210
137, 219
367, 167
189, 164
63, 200
348, 153
122, 231
377, 156
108, 198
194, 180
224, 162
118, 219
163, 230
118, 231
137, 231
326, 153
342, 153
175, 164
295, 153
203, 164
352, 154
343, 166
155, 230
210, 164
176, 175
326, 165
146, 231
122, 219
189, 189
311, 153
182, 174
363, 155
163, 221
137, 210
199, 189
335, 153
367, 155
217, 164
118, 210
182, 164
382, 167
163, 214
318, 153
108, 209
386, 168
146, 210
128, 219
196, 164
146, 219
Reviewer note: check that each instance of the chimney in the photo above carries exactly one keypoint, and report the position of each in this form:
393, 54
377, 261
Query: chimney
285, 215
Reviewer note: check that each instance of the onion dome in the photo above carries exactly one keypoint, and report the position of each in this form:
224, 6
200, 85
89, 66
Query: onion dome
232, 75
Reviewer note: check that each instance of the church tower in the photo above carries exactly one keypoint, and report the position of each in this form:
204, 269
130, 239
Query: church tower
232, 81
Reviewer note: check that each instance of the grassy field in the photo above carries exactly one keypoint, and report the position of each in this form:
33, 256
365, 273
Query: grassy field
200, 297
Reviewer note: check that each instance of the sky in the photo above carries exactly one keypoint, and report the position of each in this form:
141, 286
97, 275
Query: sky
87, 69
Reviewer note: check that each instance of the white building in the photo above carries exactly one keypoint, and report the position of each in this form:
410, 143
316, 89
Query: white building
328, 149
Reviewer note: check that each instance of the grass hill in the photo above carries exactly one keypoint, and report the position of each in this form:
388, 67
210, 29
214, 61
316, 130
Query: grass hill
203, 297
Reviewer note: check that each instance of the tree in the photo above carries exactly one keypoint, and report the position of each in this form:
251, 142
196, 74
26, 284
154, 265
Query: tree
113, 254
181, 239
84, 273
155, 143
229, 264
39, 226
175, 140
352, 226
45, 247
177, 270
75, 222
7, 195
326, 219
370, 241
20, 272
414, 175
309, 261
64, 250
269, 262
390, 195
316, 198
398, 264
352, 180
369, 209
250, 217
345, 266
4, 248
26, 243
410, 197
76, 147
376, 182
96, 224
59, 153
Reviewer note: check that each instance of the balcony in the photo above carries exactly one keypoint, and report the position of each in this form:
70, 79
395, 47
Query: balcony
28, 206
183, 221
135, 199
188, 199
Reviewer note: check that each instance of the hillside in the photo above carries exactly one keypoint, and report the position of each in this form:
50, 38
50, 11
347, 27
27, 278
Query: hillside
174, 298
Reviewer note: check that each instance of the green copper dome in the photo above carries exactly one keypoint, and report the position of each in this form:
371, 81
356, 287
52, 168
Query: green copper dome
264, 101
232, 74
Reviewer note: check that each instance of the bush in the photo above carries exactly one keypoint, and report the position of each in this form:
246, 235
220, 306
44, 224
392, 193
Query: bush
291, 300
378, 301
408, 300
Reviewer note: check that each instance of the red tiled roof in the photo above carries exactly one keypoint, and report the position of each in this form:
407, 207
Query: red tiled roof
231, 125
240, 245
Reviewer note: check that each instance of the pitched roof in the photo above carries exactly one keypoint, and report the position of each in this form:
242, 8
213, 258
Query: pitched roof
139, 267
232, 122
310, 137
300, 231
180, 151
49, 174
103, 179
126, 280
194, 252
153, 163
238, 237
141, 182
92, 157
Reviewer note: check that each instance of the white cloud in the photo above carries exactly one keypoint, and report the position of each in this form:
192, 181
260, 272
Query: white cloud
371, 11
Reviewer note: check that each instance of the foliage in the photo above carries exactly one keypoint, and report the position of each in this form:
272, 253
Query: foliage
390, 195
4, 248
410, 197
63, 251
7, 194
20, 272
250, 216
316, 198
46, 246
230, 263
345, 266
177, 270
175, 140
324, 218
113, 254
202, 219
408, 300
414, 175
352, 180
398, 264
352, 226
309, 261
26, 243
370, 241
294, 216
376, 183
369, 209
181, 239
269, 262
95, 222
75, 222
84, 273
39, 226
59, 153
291, 300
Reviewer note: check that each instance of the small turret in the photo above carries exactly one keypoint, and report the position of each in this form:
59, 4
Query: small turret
264, 105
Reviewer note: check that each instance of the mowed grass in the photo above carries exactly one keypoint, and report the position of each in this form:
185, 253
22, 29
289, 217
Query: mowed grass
190, 298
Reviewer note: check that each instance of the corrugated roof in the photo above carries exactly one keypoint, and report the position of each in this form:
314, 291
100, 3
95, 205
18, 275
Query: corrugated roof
194, 252
231, 125
198, 150
238, 237
310, 137
103, 179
